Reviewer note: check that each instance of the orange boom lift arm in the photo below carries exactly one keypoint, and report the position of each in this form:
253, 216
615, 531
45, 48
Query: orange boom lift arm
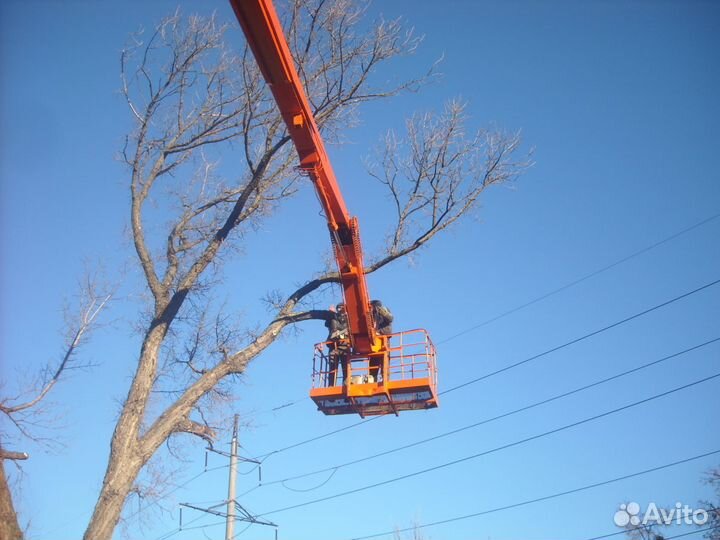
379, 374
265, 36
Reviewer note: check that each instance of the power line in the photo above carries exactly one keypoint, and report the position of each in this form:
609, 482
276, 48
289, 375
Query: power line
625, 531
688, 533
242, 531
540, 499
581, 338
173, 532
488, 420
518, 308
553, 398
496, 449
696, 531
472, 381
583, 278
334, 470
180, 486
318, 437
506, 368
195, 527
554, 291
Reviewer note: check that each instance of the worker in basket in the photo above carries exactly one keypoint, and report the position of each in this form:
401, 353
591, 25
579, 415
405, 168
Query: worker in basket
382, 319
338, 342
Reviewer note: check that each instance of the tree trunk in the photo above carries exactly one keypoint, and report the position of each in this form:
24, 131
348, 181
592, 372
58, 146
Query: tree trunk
126, 456
119, 478
9, 527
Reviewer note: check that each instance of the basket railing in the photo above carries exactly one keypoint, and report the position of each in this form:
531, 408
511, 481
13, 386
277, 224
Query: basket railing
410, 355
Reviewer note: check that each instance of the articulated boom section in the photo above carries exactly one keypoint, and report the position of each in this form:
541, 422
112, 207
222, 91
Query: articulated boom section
266, 40
370, 374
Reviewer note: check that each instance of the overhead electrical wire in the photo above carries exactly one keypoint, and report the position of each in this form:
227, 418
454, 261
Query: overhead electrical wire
484, 323
506, 368
494, 450
485, 421
445, 434
309, 489
583, 278
553, 398
179, 486
562, 288
623, 321
513, 505
601, 537
317, 437
540, 499
265, 456
173, 532
185, 527
681, 535
581, 338
242, 531
189, 481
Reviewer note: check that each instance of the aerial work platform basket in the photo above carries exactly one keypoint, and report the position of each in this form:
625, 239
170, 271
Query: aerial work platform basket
401, 377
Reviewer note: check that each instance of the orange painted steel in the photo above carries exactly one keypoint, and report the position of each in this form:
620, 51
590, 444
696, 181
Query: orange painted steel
384, 374
408, 380
265, 37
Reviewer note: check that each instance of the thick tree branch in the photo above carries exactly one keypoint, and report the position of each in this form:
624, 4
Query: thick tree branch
194, 428
14, 456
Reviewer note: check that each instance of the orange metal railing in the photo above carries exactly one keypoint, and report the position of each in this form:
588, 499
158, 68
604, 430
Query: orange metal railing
410, 355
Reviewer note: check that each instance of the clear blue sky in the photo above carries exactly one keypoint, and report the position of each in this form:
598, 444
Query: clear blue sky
620, 100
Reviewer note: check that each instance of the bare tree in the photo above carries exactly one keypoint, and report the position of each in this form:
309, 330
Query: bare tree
436, 173
643, 532
713, 508
27, 412
711, 527
192, 98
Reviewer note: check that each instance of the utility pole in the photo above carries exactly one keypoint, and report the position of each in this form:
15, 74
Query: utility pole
230, 520
234, 511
